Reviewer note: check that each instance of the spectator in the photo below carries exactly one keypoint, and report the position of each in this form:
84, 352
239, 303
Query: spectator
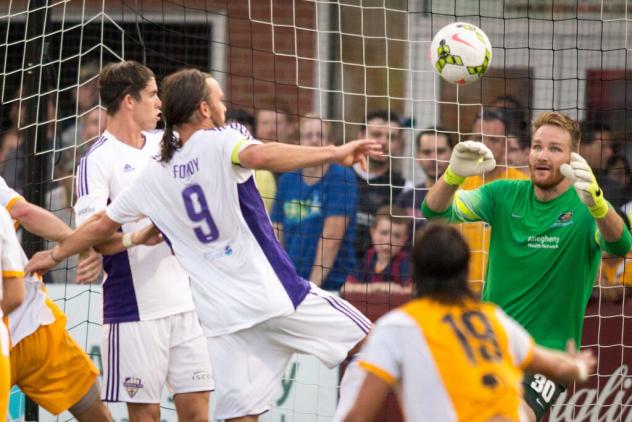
516, 115
434, 147
596, 147
619, 171
314, 213
242, 116
266, 183
86, 98
380, 185
518, 152
276, 122
386, 264
490, 128
615, 277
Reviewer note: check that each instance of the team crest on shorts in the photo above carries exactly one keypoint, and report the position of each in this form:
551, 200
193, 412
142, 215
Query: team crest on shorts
132, 385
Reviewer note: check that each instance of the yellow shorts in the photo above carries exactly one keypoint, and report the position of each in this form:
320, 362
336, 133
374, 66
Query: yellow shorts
5, 372
50, 367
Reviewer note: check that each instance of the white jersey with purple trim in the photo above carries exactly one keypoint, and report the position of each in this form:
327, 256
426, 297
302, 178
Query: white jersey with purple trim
209, 209
33, 312
11, 262
142, 283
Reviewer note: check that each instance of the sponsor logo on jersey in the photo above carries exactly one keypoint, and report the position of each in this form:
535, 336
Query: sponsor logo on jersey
220, 253
564, 219
132, 385
543, 242
128, 168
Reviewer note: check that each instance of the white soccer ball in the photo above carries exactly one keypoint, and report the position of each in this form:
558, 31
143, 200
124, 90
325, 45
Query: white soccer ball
461, 53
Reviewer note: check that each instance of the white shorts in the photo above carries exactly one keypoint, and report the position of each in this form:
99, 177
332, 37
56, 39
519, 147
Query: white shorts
140, 357
248, 364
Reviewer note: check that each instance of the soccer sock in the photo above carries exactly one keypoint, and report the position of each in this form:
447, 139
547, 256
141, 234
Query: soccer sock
349, 387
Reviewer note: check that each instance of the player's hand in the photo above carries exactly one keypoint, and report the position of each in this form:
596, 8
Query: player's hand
469, 158
581, 176
584, 360
357, 152
41, 262
89, 267
148, 236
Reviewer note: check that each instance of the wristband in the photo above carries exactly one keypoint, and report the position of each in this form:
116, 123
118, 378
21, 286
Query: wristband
582, 371
451, 178
52, 256
127, 240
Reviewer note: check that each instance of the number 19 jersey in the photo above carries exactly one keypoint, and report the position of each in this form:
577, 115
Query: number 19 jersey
210, 212
453, 362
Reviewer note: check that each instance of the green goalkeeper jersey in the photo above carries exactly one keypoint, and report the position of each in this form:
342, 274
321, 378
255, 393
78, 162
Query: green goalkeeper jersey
543, 256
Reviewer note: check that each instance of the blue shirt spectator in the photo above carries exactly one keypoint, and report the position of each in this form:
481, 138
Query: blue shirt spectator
315, 213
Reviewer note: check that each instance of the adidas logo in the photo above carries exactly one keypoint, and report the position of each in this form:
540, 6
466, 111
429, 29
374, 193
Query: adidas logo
128, 168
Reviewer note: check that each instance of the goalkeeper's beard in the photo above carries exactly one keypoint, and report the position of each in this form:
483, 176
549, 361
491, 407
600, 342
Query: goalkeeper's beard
555, 178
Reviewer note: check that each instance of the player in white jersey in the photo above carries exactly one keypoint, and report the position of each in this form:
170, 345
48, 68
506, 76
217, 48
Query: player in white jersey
449, 356
151, 334
255, 309
47, 364
11, 295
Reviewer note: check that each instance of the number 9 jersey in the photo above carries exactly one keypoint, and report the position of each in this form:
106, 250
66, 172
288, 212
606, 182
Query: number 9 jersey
450, 362
209, 210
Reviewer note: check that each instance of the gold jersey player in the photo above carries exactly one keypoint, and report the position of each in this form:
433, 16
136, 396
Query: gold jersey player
449, 356
46, 363
546, 241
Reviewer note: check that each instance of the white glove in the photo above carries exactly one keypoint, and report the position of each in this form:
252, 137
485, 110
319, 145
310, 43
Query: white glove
581, 176
469, 158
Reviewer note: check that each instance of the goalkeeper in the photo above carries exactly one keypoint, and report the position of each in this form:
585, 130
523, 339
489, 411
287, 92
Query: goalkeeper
546, 239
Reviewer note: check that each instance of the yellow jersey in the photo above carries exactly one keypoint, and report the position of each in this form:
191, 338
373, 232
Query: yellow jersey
450, 362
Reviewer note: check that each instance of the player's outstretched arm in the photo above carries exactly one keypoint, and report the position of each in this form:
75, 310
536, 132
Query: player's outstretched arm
469, 158
279, 157
89, 234
584, 181
564, 368
39, 221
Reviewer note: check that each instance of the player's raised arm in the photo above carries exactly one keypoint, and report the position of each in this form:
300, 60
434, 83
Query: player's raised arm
280, 157
610, 224
469, 158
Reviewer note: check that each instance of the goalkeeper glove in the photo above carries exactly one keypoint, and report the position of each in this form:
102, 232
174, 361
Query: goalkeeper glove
585, 183
469, 158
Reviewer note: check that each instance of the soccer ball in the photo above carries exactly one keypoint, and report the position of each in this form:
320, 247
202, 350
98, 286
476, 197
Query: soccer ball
461, 53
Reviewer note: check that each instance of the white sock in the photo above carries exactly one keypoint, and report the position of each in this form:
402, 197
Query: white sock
349, 387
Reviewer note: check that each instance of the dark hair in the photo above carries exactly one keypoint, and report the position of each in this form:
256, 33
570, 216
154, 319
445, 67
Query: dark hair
392, 213
387, 116
119, 79
438, 131
488, 115
181, 92
440, 263
241, 116
590, 128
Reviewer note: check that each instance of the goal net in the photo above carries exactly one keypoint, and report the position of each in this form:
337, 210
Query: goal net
290, 62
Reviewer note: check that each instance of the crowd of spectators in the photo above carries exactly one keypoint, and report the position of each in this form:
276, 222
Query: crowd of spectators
346, 228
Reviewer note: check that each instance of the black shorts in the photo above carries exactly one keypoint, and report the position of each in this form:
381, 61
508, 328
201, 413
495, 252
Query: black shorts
540, 393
